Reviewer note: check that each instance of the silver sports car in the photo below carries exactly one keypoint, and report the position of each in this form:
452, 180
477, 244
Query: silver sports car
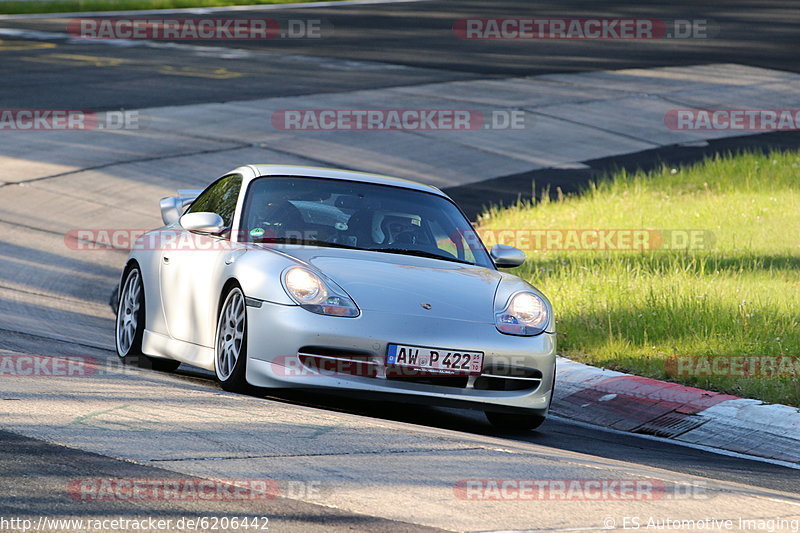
297, 277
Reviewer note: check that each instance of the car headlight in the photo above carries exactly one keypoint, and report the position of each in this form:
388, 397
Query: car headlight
525, 314
318, 295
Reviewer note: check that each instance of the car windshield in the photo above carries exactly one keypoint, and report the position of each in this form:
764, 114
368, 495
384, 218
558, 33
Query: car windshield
364, 216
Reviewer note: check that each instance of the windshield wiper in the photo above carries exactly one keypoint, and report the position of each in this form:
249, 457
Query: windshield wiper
420, 253
306, 242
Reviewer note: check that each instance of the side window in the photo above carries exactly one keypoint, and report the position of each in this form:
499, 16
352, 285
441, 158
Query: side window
220, 198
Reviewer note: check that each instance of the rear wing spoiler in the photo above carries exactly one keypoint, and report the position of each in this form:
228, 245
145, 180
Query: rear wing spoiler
172, 207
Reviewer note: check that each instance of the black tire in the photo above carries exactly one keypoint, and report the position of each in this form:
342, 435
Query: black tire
131, 312
514, 421
229, 323
130, 320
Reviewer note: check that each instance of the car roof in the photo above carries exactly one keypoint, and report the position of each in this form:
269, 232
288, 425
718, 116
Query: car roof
338, 174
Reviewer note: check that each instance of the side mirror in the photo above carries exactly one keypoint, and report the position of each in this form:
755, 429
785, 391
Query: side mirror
202, 222
506, 256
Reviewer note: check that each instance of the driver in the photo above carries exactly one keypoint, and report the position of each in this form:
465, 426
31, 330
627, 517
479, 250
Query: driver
282, 219
402, 229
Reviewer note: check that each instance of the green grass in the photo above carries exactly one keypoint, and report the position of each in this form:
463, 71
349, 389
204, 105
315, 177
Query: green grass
70, 6
631, 311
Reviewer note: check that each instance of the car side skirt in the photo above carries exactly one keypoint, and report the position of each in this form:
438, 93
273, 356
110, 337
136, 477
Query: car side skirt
157, 345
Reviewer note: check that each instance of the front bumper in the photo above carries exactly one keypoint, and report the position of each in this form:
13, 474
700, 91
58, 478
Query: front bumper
277, 334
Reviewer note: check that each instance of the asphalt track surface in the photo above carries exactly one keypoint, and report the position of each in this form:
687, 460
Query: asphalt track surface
418, 36
37, 472
388, 45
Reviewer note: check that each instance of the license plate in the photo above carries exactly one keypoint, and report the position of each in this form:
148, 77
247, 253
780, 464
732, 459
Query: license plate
442, 360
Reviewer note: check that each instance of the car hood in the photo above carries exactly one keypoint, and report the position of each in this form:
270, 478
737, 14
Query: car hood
404, 284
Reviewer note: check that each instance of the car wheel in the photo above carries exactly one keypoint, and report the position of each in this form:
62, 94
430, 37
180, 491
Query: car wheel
514, 421
230, 346
130, 326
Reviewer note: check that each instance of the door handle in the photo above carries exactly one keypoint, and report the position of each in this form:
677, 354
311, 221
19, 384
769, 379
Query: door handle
166, 259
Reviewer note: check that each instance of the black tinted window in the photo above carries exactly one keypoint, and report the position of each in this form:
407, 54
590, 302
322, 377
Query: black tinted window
220, 198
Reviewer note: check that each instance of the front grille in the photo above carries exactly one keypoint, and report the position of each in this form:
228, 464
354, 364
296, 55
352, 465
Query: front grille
508, 378
430, 379
333, 352
329, 361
